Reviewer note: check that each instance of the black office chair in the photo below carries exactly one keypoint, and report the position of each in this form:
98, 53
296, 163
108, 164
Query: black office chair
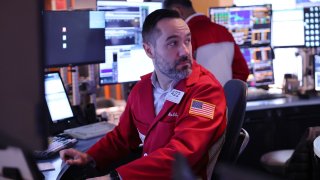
236, 137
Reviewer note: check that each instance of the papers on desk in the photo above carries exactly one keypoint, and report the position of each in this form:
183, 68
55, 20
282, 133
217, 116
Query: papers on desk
112, 114
90, 130
45, 166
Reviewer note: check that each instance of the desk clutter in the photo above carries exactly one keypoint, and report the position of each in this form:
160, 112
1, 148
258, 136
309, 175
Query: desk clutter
86, 130
256, 94
56, 143
112, 114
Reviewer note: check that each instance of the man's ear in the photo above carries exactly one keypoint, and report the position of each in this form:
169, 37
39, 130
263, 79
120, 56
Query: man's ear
148, 49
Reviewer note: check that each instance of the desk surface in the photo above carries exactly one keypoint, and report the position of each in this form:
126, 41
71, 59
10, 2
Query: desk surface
281, 103
316, 146
114, 113
82, 145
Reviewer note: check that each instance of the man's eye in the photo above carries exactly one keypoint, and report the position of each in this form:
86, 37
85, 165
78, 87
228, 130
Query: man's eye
171, 44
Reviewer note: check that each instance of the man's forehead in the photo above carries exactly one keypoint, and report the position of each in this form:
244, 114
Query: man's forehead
173, 25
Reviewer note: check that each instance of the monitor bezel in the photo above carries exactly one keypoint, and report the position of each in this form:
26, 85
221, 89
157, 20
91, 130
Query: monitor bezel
69, 64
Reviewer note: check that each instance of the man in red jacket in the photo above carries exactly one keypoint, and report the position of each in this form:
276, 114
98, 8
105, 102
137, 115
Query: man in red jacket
213, 45
179, 108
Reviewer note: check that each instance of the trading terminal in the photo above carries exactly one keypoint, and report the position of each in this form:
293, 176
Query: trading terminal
93, 56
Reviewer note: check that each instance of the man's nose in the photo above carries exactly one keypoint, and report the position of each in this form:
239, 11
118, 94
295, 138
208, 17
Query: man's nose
184, 50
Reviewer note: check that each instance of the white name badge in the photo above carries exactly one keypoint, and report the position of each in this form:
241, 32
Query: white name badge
175, 96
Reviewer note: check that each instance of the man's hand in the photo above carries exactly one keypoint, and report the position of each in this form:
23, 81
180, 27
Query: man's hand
74, 157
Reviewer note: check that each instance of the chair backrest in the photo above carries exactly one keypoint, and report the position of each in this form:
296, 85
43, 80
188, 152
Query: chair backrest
235, 92
300, 164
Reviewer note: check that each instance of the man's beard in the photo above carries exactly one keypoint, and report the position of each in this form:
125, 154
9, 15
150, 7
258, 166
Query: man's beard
173, 72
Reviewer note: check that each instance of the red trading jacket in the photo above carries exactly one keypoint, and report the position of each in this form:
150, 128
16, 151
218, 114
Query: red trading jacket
173, 129
204, 32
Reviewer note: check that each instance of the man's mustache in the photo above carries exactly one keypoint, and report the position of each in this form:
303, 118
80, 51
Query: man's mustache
184, 59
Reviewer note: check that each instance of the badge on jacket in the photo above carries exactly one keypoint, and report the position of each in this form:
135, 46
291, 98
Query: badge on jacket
175, 96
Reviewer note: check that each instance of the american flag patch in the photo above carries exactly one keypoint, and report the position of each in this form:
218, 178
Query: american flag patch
201, 108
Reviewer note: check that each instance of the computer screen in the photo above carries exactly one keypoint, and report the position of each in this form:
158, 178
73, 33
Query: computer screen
317, 72
249, 25
73, 37
125, 59
259, 60
56, 97
312, 26
288, 28
60, 110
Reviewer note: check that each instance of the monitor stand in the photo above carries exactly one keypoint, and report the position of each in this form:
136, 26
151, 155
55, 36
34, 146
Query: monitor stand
17, 164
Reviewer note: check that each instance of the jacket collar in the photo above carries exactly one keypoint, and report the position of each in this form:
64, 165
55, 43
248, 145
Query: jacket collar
193, 15
197, 18
182, 85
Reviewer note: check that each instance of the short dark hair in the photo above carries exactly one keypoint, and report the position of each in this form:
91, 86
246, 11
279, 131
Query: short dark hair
167, 4
150, 23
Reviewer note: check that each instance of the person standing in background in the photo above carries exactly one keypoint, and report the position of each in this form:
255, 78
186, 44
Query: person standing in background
213, 45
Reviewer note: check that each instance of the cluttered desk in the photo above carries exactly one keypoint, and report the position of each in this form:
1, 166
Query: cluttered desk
255, 94
64, 134
82, 137
53, 167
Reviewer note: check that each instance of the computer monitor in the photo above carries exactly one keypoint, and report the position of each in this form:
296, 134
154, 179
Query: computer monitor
125, 59
22, 104
56, 97
288, 28
317, 72
249, 25
259, 60
73, 37
312, 26
58, 103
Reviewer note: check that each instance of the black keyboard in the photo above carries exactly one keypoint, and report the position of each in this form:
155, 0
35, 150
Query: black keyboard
57, 143
266, 96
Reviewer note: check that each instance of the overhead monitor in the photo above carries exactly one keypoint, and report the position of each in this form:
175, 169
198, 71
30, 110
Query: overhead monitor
259, 60
125, 58
249, 25
288, 28
73, 37
312, 26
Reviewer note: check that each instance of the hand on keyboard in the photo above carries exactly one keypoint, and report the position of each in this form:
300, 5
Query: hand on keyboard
57, 143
